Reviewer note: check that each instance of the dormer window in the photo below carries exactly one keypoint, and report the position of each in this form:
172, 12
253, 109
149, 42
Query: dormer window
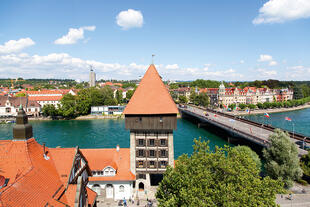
109, 171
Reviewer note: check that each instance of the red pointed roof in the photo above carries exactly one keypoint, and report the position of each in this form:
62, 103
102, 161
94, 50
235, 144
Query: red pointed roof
151, 96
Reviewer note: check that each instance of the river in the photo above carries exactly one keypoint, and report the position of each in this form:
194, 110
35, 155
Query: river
300, 120
107, 133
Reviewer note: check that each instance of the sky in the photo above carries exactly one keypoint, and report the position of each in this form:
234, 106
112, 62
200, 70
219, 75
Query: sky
238, 40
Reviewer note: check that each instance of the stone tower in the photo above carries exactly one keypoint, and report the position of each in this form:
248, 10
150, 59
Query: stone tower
151, 117
22, 129
92, 78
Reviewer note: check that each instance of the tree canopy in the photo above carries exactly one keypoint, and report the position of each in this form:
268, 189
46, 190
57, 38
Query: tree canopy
282, 158
226, 177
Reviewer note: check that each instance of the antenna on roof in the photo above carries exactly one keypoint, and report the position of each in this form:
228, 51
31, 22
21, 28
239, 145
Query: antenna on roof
153, 59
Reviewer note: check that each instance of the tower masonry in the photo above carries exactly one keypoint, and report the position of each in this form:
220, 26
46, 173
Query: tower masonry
151, 117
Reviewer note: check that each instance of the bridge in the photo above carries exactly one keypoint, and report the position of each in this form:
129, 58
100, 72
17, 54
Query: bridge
237, 126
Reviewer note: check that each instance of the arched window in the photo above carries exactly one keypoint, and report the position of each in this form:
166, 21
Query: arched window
109, 171
121, 188
141, 186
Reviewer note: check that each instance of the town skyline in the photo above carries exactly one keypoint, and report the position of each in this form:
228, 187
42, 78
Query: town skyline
216, 41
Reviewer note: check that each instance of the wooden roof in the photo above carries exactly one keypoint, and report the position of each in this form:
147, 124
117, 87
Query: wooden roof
151, 96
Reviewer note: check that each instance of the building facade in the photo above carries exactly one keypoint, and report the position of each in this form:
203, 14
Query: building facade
112, 178
151, 118
9, 106
107, 110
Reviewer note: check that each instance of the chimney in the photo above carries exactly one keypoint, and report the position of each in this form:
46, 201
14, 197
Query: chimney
117, 148
22, 129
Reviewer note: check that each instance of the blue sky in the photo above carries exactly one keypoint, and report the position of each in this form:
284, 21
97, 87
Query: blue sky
219, 40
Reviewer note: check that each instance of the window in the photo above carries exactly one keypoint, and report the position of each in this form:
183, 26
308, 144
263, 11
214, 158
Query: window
152, 163
162, 164
162, 142
121, 188
152, 153
163, 153
141, 153
161, 119
152, 142
141, 142
140, 163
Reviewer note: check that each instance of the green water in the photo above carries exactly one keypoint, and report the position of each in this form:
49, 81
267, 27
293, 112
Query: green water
107, 133
300, 120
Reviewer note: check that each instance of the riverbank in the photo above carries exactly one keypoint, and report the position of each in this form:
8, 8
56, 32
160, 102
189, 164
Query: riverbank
88, 117
262, 111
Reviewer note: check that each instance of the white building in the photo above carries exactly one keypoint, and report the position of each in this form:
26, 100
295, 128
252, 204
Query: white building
112, 177
9, 106
107, 110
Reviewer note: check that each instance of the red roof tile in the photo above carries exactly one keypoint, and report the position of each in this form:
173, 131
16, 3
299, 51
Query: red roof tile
151, 96
44, 98
98, 159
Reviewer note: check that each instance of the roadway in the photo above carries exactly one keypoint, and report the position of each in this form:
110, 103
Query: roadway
254, 133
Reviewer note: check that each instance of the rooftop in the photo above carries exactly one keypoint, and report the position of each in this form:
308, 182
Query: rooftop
151, 96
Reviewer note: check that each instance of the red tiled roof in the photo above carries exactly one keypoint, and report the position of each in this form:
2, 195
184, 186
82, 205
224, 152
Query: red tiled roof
44, 98
34, 180
151, 96
92, 195
98, 159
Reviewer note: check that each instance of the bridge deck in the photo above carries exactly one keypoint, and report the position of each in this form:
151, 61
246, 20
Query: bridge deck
257, 134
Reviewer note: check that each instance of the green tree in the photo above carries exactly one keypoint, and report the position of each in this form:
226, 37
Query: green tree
119, 96
183, 99
247, 150
50, 110
203, 99
282, 158
68, 106
193, 97
242, 106
305, 164
226, 177
129, 94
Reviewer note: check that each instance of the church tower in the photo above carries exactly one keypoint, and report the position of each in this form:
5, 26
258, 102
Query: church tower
151, 117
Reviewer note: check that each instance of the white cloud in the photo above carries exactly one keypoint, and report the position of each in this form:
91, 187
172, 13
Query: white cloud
297, 67
266, 73
265, 58
74, 35
241, 61
12, 46
278, 11
172, 67
129, 19
273, 63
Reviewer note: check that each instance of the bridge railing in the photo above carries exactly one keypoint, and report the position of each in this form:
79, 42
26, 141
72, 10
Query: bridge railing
294, 135
257, 139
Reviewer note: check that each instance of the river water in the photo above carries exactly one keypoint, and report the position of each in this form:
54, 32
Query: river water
107, 133
300, 120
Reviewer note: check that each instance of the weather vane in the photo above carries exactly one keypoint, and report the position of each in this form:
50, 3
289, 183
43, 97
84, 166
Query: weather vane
153, 58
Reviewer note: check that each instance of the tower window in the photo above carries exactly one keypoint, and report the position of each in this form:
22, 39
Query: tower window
163, 164
141, 153
162, 142
163, 153
152, 142
152, 153
141, 142
140, 163
152, 163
